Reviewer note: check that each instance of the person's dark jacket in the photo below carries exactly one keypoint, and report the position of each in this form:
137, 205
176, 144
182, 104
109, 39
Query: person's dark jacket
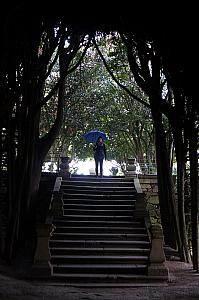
99, 151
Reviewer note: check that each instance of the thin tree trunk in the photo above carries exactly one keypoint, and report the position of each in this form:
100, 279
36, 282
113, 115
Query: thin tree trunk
166, 194
185, 255
181, 158
194, 194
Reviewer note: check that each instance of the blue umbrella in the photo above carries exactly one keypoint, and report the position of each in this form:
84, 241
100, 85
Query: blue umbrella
93, 135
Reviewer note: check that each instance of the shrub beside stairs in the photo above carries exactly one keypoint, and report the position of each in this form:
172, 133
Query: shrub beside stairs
100, 236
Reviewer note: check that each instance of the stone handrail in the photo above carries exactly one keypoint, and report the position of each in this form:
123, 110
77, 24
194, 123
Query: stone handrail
42, 255
56, 204
157, 258
140, 209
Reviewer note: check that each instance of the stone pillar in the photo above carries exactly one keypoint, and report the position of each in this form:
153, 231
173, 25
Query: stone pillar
41, 266
42, 252
157, 257
64, 167
131, 167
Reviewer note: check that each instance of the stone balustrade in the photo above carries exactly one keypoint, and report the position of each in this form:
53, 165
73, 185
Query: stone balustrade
149, 186
41, 257
157, 258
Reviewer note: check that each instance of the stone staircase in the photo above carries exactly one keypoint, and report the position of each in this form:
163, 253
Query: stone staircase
98, 240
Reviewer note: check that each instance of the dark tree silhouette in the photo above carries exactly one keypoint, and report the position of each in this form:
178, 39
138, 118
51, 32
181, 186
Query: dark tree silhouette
26, 59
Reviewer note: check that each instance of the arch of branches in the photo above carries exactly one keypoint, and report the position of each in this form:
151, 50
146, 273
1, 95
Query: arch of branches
159, 61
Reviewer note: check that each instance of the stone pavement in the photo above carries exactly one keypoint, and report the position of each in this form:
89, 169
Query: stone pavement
183, 284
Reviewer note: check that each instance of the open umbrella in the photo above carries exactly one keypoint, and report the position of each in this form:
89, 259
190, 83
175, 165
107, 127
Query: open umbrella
93, 135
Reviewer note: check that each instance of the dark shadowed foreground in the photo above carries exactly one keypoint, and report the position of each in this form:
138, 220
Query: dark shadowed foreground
183, 284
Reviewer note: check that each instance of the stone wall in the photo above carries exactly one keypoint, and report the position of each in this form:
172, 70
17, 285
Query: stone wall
149, 187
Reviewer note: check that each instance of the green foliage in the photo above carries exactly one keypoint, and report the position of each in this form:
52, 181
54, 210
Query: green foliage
93, 100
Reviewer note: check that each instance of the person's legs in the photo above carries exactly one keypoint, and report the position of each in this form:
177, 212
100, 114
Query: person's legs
101, 167
96, 166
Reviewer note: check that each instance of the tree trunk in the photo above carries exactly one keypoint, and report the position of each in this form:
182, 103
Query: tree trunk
166, 193
194, 193
180, 157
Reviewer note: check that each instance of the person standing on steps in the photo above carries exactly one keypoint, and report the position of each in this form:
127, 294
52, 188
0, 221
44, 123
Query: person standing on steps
99, 155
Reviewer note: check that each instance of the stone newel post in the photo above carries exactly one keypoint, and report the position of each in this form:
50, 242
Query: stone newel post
64, 166
41, 260
131, 167
157, 257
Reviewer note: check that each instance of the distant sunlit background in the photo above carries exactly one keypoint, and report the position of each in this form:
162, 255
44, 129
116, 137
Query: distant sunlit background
86, 167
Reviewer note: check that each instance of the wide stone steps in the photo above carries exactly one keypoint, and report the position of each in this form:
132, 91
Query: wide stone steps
55, 243
102, 212
96, 195
65, 222
96, 207
94, 217
103, 183
115, 186
94, 259
108, 189
93, 201
98, 251
98, 234
97, 191
101, 268
98, 229
105, 180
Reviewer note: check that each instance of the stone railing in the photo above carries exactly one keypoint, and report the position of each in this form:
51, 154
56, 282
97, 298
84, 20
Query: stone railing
157, 259
42, 255
131, 168
55, 210
64, 166
149, 187
140, 209
147, 196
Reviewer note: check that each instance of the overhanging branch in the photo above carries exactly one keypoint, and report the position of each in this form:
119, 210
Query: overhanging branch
116, 80
61, 79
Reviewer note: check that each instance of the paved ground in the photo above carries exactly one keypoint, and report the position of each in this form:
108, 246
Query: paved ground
183, 284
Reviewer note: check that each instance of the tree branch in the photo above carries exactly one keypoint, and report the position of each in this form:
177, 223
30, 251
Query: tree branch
116, 80
62, 78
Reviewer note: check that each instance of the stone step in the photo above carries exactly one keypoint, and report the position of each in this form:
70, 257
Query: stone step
98, 186
103, 180
98, 251
69, 190
96, 211
94, 217
105, 229
93, 201
63, 269
98, 236
93, 243
98, 206
98, 259
101, 185
98, 223
97, 196
97, 182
